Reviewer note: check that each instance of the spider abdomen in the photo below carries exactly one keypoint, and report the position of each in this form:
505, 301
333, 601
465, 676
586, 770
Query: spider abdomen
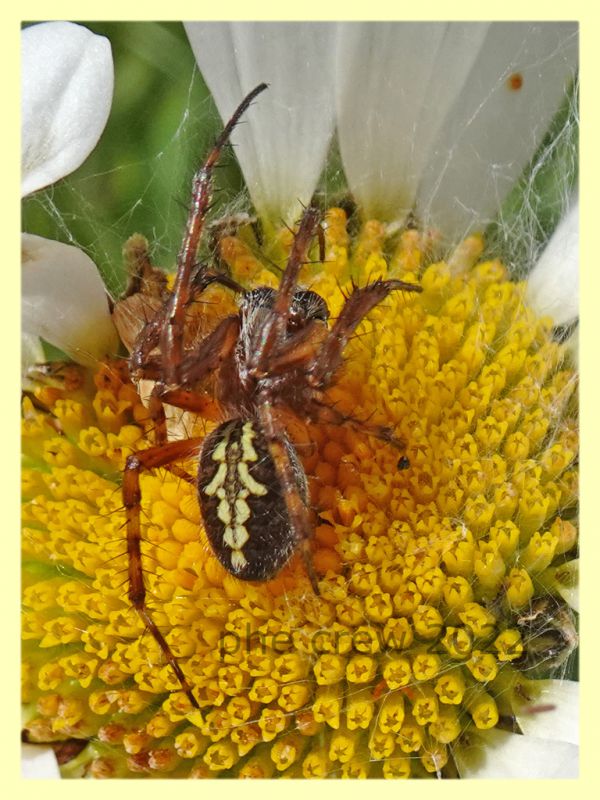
242, 501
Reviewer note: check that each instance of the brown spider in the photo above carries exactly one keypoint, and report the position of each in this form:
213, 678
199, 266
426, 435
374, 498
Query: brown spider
276, 354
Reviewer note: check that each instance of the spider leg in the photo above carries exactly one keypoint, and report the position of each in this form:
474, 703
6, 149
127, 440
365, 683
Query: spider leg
181, 474
298, 350
309, 224
321, 240
202, 280
160, 456
357, 306
149, 336
322, 414
298, 512
171, 338
196, 365
145, 343
275, 325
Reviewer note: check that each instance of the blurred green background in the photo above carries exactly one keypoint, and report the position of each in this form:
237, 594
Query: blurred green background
137, 180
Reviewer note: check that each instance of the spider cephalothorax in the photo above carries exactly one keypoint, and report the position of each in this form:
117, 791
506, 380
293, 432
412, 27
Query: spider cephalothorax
305, 326
275, 356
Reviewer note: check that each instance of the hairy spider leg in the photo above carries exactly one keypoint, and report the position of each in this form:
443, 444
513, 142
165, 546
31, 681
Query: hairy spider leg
300, 523
171, 337
323, 361
146, 341
355, 309
210, 353
154, 457
196, 365
321, 240
274, 331
141, 362
202, 280
322, 414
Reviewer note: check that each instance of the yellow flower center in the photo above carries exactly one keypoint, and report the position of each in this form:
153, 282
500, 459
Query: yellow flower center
428, 573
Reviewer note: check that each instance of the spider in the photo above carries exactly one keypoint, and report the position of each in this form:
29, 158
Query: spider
278, 353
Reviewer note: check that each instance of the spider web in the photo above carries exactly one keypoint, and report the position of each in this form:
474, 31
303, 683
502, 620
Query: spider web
543, 194
151, 189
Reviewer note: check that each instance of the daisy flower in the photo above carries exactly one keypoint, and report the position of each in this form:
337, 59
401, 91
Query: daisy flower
443, 622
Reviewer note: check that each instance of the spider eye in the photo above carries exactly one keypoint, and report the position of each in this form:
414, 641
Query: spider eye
261, 297
306, 305
309, 305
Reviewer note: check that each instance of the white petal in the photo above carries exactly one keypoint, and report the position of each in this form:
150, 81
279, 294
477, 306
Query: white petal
570, 594
564, 579
494, 130
498, 754
572, 347
282, 145
38, 762
560, 713
64, 300
395, 84
553, 285
32, 353
67, 84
